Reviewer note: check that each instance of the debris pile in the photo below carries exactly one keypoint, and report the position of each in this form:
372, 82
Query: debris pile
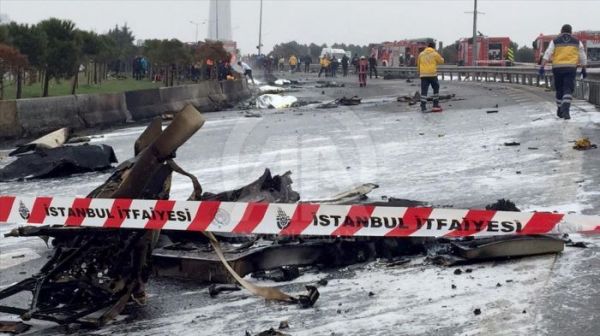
584, 144
416, 98
270, 101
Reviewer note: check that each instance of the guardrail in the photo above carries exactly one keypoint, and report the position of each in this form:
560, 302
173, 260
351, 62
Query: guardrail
587, 89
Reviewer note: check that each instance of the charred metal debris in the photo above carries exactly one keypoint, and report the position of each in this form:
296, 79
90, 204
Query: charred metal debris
94, 273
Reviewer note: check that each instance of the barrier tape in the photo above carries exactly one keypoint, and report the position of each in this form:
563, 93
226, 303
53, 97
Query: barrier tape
286, 219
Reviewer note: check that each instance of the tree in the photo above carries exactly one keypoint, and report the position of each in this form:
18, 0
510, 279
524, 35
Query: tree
314, 51
288, 49
124, 50
11, 61
450, 54
62, 52
31, 42
211, 50
525, 54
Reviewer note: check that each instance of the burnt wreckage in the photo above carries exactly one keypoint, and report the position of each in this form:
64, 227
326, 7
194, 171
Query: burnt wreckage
95, 272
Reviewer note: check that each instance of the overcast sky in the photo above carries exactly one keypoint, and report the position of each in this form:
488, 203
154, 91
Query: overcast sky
319, 21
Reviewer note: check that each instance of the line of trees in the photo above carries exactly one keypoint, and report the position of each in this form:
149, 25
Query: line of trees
56, 49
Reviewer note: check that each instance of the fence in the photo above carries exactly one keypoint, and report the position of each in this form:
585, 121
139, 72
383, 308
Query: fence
587, 89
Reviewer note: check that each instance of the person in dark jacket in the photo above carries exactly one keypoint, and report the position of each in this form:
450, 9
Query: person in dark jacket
345, 61
307, 62
334, 66
373, 66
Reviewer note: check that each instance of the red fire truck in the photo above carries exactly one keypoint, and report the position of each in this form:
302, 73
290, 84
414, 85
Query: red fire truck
490, 51
400, 53
590, 40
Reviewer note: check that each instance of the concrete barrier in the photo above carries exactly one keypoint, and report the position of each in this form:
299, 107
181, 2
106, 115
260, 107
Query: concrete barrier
103, 109
144, 104
35, 116
9, 124
175, 98
235, 90
41, 115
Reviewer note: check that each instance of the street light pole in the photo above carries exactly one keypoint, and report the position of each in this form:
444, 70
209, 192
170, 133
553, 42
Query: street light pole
196, 24
260, 28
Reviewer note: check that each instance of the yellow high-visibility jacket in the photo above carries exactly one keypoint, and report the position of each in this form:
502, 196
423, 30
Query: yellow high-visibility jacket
566, 51
325, 62
293, 60
428, 61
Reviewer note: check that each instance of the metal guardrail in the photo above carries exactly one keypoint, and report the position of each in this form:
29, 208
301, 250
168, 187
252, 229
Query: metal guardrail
587, 89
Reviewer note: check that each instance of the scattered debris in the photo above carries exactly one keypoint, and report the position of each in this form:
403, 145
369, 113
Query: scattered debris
284, 325
416, 98
51, 140
355, 100
214, 289
94, 273
249, 114
477, 311
532, 148
60, 161
491, 111
322, 282
283, 82
83, 139
13, 327
502, 205
268, 89
269, 332
584, 144
509, 246
268, 101
513, 143
329, 84
457, 271
280, 274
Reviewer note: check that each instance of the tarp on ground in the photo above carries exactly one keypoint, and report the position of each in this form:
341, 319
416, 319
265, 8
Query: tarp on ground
61, 161
274, 101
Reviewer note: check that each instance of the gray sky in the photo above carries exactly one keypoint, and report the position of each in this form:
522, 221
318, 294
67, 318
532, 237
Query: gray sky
320, 21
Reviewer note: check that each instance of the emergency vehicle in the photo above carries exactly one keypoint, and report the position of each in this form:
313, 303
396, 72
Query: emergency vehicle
589, 39
400, 53
490, 51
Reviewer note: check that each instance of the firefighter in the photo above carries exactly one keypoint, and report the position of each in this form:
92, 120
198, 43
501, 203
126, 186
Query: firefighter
427, 63
565, 52
363, 65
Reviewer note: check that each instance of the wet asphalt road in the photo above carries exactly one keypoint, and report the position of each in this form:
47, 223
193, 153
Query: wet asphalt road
455, 158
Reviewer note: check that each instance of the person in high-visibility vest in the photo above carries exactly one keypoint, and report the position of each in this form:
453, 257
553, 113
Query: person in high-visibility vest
293, 62
566, 52
427, 63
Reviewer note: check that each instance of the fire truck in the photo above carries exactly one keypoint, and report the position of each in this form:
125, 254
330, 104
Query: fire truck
589, 39
490, 51
400, 53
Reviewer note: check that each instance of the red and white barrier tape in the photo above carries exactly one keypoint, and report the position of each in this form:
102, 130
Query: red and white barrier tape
287, 219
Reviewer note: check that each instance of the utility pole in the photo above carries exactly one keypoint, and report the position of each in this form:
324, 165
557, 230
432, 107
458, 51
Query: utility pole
260, 28
474, 48
196, 24
475, 35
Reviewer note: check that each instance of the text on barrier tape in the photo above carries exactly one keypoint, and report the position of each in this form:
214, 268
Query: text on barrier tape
286, 219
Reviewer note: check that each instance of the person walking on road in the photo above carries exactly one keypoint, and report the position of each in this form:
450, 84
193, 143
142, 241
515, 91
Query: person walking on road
565, 52
373, 66
427, 63
334, 66
247, 70
363, 64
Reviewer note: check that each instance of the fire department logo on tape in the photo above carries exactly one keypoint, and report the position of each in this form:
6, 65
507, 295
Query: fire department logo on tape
222, 217
283, 220
23, 211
